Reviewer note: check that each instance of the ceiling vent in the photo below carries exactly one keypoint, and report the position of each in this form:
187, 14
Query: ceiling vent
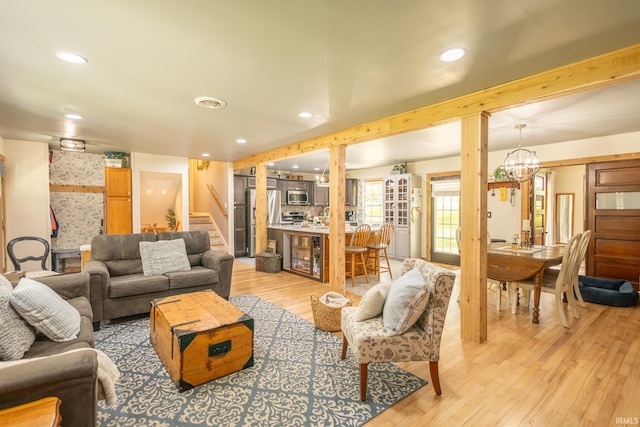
210, 102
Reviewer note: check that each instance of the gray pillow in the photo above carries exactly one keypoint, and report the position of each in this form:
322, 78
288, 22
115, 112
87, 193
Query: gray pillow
45, 310
164, 256
16, 335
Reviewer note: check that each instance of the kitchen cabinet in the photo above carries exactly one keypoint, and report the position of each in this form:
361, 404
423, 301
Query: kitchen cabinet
251, 182
296, 184
401, 204
118, 203
239, 230
320, 195
239, 185
351, 193
306, 254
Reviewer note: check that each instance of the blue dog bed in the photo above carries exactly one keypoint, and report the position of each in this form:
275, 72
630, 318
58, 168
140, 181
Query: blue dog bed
618, 293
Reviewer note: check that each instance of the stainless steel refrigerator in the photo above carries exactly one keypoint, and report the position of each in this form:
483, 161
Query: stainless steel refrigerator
274, 214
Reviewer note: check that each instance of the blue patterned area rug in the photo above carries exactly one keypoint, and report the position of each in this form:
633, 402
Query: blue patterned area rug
298, 379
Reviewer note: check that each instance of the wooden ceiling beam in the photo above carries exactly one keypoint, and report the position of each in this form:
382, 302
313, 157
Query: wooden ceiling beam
603, 70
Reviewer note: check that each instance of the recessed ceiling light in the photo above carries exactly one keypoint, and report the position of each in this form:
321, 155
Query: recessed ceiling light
241, 141
295, 166
316, 169
71, 57
210, 102
73, 116
205, 154
452, 54
270, 164
305, 115
380, 158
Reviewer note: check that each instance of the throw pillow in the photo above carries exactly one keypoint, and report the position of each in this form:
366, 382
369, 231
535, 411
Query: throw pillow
405, 303
45, 310
164, 256
16, 335
372, 302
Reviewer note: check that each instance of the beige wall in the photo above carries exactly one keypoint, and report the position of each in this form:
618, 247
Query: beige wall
216, 176
27, 192
141, 162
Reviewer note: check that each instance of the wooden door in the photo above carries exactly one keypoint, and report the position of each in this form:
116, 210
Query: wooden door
118, 203
117, 182
613, 216
118, 215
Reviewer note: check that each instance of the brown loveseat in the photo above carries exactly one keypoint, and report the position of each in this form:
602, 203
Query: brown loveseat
72, 377
120, 288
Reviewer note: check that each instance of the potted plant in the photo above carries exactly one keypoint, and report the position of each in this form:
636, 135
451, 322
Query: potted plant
171, 220
114, 159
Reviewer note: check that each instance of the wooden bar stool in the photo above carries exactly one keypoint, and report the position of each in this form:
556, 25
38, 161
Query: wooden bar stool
358, 246
379, 247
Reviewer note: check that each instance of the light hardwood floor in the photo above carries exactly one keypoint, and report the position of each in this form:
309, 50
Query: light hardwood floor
524, 374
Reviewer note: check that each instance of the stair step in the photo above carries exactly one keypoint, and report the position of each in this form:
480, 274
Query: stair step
199, 220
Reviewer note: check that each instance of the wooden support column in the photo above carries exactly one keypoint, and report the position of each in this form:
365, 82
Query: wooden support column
473, 220
337, 183
261, 207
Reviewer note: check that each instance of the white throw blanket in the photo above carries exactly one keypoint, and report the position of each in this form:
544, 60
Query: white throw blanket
108, 374
334, 299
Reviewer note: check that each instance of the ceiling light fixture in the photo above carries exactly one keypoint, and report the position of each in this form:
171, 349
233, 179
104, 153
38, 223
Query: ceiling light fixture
205, 154
322, 181
305, 115
521, 164
71, 57
73, 116
452, 54
210, 102
76, 145
241, 141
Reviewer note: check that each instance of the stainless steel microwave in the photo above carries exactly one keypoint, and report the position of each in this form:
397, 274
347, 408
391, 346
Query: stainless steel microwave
297, 198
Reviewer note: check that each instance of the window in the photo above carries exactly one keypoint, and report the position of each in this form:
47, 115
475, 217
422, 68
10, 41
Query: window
373, 202
445, 196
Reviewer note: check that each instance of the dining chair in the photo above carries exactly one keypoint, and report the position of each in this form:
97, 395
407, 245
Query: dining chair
557, 282
24, 243
379, 248
584, 244
357, 249
370, 341
490, 283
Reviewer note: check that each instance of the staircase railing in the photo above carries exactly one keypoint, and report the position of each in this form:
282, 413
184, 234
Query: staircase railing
213, 193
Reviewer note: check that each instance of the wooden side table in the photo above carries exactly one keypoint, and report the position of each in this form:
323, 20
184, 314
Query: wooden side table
41, 413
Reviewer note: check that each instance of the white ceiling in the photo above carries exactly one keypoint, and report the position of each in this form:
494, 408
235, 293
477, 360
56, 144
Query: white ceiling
349, 62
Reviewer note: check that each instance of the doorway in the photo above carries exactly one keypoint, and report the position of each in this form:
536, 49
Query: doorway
445, 219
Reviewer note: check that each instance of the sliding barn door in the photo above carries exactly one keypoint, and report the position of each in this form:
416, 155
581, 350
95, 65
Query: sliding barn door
613, 215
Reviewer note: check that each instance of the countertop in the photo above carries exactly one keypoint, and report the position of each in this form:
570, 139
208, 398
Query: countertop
311, 229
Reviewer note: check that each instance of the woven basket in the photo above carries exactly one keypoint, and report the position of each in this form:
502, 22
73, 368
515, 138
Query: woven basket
325, 317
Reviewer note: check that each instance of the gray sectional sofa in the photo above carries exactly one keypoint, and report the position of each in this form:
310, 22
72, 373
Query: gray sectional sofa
72, 377
120, 288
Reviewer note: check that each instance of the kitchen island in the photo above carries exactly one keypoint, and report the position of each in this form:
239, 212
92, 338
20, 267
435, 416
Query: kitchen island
305, 250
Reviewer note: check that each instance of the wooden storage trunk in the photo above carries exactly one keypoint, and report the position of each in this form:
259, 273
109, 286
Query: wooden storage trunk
199, 337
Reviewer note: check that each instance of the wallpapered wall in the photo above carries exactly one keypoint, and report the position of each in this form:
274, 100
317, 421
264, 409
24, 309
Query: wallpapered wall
79, 214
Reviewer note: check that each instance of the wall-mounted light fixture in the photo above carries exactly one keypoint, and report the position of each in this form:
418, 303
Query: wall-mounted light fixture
76, 145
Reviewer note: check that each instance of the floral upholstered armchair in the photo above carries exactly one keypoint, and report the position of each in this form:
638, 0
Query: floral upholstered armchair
400, 321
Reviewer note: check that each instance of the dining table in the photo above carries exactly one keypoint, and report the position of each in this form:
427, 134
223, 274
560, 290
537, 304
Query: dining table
506, 263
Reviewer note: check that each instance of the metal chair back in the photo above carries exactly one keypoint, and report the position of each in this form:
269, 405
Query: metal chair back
17, 261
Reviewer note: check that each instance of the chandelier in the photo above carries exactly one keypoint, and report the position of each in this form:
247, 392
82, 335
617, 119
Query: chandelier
521, 164
322, 181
